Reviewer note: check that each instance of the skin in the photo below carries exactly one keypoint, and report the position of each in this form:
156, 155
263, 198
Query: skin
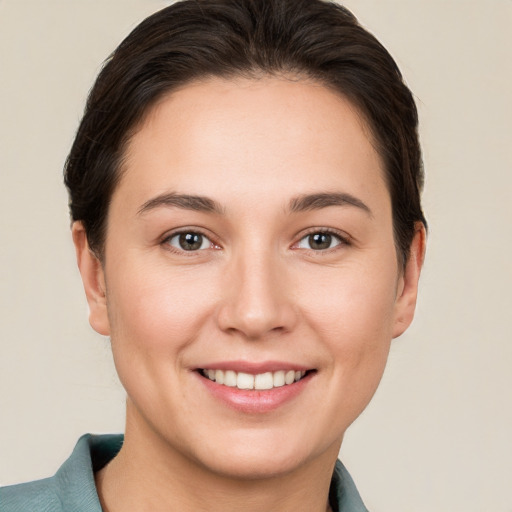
257, 291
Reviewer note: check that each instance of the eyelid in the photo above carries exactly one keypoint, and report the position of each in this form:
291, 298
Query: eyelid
164, 241
344, 238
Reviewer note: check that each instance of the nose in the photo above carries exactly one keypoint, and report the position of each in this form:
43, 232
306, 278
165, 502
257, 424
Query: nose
258, 299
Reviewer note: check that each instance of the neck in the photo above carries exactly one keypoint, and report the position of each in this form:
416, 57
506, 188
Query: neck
149, 475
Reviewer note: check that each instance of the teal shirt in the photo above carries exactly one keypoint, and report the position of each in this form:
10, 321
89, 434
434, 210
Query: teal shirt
72, 489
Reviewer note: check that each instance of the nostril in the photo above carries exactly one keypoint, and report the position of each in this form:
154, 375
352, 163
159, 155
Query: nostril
257, 322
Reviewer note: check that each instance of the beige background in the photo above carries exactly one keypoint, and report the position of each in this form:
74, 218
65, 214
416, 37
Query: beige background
437, 435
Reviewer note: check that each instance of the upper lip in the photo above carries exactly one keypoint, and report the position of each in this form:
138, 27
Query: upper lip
254, 368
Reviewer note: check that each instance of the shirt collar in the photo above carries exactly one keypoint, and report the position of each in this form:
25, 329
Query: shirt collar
77, 491
75, 478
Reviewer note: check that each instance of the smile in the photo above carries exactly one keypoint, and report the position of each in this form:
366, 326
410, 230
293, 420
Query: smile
247, 381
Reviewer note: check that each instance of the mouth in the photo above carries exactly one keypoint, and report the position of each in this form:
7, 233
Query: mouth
258, 382
255, 388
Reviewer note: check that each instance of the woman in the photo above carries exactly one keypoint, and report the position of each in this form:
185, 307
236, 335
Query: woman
244, 190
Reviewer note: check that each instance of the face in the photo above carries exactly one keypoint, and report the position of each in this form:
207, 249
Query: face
250, 245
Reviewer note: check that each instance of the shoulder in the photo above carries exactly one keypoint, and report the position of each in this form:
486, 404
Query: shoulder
38, 496
343, 493
72, 487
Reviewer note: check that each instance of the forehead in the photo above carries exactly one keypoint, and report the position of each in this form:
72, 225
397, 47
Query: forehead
253, 138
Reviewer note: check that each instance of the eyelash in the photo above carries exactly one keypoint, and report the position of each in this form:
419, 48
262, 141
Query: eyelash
343, 240
166, 242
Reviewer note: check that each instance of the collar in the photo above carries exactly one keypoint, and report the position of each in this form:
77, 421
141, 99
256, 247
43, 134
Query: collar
74, 481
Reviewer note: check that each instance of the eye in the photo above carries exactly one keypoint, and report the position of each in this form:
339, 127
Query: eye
319, 241
189, 241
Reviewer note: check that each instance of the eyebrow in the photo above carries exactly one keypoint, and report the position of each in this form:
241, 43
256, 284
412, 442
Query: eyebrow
184, 201
205, 204
324, 200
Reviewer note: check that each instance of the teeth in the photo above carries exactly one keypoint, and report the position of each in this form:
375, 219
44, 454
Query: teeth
229, 378
245, 381
241, 380
278, 379
264, 381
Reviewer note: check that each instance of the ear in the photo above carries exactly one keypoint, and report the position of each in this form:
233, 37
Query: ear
407, 290
93, 279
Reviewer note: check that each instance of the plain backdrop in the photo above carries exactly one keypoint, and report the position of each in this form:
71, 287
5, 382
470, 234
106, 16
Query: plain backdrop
437, 435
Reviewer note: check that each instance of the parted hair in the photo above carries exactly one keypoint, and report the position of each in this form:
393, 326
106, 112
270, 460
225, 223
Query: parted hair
197, 39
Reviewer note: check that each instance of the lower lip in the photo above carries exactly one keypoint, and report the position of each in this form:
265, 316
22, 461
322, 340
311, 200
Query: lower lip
255, 401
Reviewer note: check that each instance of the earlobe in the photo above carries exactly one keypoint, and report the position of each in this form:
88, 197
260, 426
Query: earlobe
93, 279
408, 287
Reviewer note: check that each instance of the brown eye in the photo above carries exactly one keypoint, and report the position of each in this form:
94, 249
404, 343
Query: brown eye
189, 241
319, 241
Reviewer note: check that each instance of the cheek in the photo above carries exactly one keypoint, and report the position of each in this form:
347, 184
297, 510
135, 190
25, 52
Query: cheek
158, 309
352, 312
352, 304
349, 312
156, 313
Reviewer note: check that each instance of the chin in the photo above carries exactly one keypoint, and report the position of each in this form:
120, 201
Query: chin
256, 457
259, 467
